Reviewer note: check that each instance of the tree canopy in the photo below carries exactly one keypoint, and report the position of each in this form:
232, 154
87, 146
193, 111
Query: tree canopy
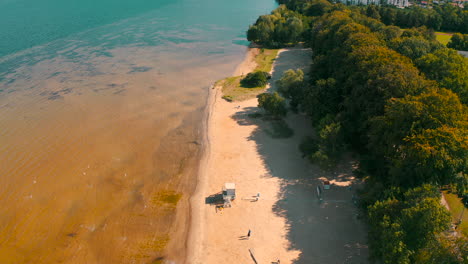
273, 104
398, 99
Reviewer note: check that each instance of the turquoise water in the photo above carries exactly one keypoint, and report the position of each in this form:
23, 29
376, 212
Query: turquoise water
27, 23
101, 106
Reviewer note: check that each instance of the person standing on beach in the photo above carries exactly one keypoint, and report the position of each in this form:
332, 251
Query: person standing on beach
248, 234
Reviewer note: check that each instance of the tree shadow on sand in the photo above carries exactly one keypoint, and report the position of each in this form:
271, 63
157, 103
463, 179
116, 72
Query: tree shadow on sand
326, 231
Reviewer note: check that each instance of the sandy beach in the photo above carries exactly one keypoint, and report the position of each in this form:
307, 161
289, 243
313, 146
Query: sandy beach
288, 222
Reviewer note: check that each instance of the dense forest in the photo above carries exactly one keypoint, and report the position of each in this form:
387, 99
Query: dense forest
395, 97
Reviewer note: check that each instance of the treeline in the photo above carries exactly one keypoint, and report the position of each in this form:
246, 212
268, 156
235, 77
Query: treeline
444, 17
282, 28
398, 99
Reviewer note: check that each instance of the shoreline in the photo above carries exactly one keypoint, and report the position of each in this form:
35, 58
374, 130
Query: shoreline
195, 230
289, 222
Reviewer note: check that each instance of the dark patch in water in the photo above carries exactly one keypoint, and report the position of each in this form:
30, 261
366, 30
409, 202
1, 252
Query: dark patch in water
120, 91
153, 88
140, 69
55, 74
66, 90
71, 235
55, 97
111, 86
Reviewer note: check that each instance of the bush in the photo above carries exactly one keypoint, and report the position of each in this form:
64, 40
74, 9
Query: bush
255, 79
273, 104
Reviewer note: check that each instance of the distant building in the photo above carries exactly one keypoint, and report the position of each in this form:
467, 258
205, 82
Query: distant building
398, 3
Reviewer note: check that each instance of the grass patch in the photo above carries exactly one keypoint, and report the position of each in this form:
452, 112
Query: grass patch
231, 87
167, 198
279, 129
456, 208
265, 59
443, 37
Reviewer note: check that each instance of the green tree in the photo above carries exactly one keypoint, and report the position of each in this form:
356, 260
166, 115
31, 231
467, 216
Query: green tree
273, 104
388, 15
290, 82
291, 85
414, 47
321, 99
424, 217
391, 32
401, 230
386, 235
317, 7
444, 250
458, 42
434, 155
373, 12
448, 68
399, 134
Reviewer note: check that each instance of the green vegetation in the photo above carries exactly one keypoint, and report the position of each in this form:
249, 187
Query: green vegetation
265, 59
456, 210
459, 42
290, 84
255, 79
406, 224
444, 17
449, 69
443, 37
397, 98
231, 86
282, 27
273, 104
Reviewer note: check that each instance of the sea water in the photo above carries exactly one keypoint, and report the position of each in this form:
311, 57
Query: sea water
101, 105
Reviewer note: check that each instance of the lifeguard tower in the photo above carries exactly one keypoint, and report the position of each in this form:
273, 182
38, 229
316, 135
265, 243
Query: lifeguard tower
229, 193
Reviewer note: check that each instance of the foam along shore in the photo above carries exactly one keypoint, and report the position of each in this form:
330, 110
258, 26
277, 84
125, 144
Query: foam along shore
288, 222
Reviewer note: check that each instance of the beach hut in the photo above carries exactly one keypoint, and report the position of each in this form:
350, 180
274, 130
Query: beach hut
326, 185
229, 191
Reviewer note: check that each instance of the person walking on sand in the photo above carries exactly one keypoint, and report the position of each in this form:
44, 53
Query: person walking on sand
248, 234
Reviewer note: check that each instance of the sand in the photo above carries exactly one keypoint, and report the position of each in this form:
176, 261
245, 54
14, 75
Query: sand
288, 222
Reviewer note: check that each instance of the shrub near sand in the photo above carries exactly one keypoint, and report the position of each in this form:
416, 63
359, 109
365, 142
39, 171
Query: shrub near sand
255, 79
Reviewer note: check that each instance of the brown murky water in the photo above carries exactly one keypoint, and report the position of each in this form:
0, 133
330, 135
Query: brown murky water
100, 130
88, 164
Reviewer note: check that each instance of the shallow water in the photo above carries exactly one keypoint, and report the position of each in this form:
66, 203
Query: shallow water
100, 111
